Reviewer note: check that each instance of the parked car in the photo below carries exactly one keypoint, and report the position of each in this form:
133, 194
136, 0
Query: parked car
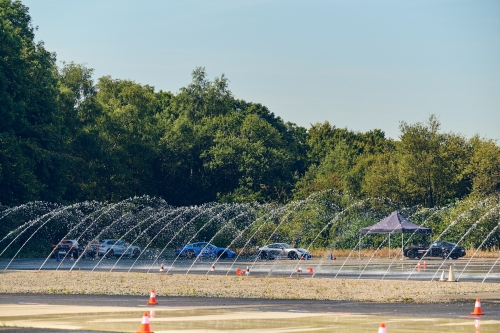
281, 250
67, 248
111, 248
436, 249
204, 249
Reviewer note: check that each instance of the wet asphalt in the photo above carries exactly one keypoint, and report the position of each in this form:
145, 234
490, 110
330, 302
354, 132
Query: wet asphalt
434, 310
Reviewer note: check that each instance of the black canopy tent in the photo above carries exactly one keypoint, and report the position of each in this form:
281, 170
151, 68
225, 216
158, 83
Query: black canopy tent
394, 224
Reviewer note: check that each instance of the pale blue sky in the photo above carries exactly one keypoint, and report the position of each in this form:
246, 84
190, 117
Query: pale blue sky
358, 64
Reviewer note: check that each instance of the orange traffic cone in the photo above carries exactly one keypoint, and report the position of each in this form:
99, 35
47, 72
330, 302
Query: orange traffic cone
239, 271
161, 268
212, 268
382, 329
418, 266
309, 270
247, 271
145, 324
425, 264
71, 258
152, 298
477, 309
299, 270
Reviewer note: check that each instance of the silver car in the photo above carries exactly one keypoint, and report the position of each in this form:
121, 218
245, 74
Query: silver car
281, 250
113, 247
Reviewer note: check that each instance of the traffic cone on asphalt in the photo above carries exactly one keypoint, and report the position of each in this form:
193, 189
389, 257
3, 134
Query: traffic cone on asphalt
152, 298
309, 270
442, 277
382, 328
451, 276
299, 270
418, 266
247, 271
477, 309
161, 268
145, 324
239, 271
212, 268
71, 258
425, 264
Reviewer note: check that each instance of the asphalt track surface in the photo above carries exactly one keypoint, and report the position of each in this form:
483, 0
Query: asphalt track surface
434, 310
473, 270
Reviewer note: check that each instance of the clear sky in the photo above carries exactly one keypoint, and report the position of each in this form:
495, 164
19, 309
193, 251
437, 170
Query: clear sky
358, 64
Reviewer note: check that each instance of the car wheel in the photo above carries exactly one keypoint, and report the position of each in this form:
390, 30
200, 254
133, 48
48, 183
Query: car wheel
444, 255
136, 252
190, 254
222, 254
454, 257
75, 255
263, 255
293, 256
110, 254
411, 254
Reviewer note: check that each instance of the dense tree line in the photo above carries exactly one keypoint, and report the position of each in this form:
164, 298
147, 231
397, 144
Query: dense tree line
65, 138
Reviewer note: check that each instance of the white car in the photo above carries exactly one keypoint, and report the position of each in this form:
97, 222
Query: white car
113, 247
281, 250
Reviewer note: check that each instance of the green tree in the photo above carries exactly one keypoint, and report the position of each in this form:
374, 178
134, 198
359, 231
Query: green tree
484, 166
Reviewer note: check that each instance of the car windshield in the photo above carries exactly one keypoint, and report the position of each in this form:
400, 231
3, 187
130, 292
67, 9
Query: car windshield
286, 246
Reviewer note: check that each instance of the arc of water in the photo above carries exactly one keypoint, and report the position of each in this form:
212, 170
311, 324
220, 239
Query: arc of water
53, 213
76, 226
29, 238
294, 208
211, 239
391, 203
408, 240
165, 226
466, 233
373, 255
329, 223
251, 237
438, 238
138, 236
176, 234
324, 228
101, 232
479, 247
491, 269
164, 205
110, 207
125, 234
26, 224
219, 215
242, 232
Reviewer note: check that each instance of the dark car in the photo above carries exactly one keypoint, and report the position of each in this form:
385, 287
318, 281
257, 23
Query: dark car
67, 248
437, 249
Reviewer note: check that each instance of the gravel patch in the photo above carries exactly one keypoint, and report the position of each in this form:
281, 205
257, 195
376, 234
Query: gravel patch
119, 283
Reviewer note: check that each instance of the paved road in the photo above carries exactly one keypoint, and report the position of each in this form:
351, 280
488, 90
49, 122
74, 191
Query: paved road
434, 310
393, 269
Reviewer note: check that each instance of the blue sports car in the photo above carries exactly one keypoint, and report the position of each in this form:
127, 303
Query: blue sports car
204, 249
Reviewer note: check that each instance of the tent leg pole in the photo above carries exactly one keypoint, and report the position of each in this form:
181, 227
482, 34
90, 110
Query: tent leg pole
389, 245
402, 245
359, 248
